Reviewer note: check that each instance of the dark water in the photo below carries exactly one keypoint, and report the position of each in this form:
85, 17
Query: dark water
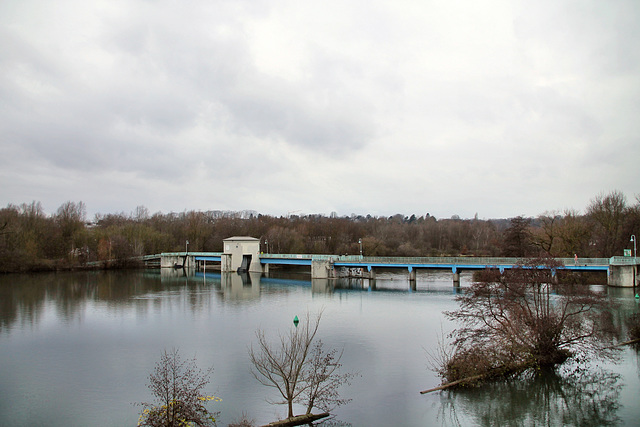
76, 350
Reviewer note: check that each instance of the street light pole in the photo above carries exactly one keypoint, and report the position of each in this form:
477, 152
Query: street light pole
635, 262
186, 254
360, 242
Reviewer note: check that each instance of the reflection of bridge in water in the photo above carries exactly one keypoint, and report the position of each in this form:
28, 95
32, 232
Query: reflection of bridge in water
249, 286
621, 271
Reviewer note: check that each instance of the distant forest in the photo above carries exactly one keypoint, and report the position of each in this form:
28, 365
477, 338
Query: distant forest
32, 240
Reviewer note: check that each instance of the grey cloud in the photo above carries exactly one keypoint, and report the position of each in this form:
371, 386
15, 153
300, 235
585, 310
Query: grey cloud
132, 112
219, 70
587, 37
168, 91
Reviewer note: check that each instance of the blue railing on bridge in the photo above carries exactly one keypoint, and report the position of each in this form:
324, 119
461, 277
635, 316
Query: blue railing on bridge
454, 263
426, 262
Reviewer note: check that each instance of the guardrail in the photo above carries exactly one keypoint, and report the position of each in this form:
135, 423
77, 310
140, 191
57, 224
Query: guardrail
188, 253
433, 260
416, 260
623, 260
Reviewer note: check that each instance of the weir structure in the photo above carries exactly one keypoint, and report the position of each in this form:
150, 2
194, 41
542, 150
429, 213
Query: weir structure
242, 254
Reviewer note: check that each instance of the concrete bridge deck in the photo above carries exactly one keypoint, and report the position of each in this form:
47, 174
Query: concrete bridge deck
621, 271
453, 263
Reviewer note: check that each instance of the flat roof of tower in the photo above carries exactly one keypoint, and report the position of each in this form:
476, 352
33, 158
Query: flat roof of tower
241, 238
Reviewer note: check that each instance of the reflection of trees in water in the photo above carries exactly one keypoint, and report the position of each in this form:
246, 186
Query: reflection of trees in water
25, 299
582, 397
19, 303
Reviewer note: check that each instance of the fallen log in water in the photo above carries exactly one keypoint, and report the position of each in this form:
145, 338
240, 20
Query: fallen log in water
298, 420
637, 340
493, 373
454, 383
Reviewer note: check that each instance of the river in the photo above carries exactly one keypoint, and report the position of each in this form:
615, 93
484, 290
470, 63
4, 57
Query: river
76, 349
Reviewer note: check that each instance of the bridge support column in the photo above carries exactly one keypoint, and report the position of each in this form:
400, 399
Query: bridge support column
225, 263
412, 275
456, 277
170, 261
321, 269
372, 273
190, 261
623, 276
167, 261
265, 270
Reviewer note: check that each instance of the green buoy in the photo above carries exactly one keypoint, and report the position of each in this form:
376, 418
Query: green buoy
296, 321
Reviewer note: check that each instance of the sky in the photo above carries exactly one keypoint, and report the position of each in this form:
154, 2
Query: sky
452, 107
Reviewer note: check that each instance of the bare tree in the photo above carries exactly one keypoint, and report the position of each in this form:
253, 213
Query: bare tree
70, 218
521, 319
177, 386
546, 236
607, 213
300, 370
323, 380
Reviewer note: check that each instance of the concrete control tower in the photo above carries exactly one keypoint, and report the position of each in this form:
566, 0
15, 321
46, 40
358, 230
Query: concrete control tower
241, 254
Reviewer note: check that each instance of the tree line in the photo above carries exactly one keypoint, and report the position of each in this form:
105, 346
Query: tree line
30, 239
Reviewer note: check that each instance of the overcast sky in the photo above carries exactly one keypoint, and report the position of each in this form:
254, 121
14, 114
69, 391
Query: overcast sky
450, 107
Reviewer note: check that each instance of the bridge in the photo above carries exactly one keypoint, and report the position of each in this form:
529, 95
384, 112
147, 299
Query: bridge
621, 271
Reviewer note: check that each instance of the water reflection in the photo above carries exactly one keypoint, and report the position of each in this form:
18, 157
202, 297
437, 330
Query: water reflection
25, 298
72, 341
577, 398
241, 287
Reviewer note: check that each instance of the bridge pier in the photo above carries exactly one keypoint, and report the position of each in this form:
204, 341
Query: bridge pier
456, 277
322, 269
412, 274
623, 276
177, 259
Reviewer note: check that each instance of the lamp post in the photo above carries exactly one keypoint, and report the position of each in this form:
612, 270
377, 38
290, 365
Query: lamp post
266, 242
186, 254
635, 262
360, 243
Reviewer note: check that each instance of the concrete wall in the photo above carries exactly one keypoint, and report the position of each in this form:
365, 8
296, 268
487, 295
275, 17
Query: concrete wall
623, 276
225, 263
321, 269
168, 261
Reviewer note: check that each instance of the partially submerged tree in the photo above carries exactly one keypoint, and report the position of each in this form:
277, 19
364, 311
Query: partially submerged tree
301, 370
177, 386
520, 319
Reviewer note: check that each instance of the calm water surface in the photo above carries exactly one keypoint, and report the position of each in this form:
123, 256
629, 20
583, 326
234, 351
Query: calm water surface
76, 350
